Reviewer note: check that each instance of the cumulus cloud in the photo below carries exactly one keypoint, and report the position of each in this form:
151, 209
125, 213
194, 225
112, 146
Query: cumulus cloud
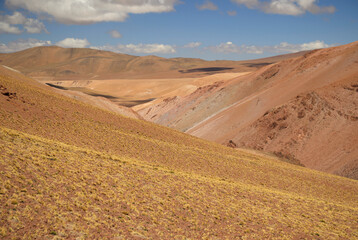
146, 48
227, 47
230, 47
31, 25
285, 47
7, 28
193, 45
115, 34
92, 11
208, 6
16, 18
34, 26
281, 48
73, 43
139, 48
286, 7
22, 44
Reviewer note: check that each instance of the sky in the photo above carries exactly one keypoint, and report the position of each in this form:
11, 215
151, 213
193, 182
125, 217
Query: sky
207, 29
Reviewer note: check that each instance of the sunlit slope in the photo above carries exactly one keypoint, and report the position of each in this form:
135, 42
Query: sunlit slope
49, 188
71, 170
56, 62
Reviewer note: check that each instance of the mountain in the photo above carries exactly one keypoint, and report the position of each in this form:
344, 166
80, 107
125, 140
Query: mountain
303, 108
56, 63
71, 170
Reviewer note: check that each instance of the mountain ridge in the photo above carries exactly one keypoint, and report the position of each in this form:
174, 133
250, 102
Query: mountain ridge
56, 63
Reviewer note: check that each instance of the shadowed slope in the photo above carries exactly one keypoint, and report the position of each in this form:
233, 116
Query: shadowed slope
72, 170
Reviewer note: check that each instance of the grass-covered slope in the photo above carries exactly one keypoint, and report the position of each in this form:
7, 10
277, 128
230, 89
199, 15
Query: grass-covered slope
68, 170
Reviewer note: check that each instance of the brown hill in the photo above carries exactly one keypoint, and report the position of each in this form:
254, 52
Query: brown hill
56, 63
234, 110
70, 170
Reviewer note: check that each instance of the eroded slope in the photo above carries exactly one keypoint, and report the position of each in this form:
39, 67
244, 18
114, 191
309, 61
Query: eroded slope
233, 112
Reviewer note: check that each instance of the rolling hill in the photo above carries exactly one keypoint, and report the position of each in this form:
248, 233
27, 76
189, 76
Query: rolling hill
70, 170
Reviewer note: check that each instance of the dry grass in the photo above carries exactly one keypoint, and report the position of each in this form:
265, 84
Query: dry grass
50, 188
68, 170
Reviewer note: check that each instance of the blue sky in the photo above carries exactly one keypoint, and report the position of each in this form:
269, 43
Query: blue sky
215, 29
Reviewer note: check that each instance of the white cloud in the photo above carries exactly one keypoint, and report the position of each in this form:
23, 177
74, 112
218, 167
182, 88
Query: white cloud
146, 48
286, 7
92, 11
73, 43
230, 47
231, 13
34, 26
7, 28
281, 48
22, 44
314, 45
208, 6
16, 18
139, 48
193, 45
248, 3
115, 34
252, 49
285, 47
227, 47
31, 25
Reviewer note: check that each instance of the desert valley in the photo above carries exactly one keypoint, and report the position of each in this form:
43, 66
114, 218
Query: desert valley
296, 106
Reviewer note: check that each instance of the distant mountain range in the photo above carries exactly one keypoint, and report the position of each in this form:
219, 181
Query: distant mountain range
56, 63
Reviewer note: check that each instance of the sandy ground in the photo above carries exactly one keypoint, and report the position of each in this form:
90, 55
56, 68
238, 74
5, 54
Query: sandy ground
132, 90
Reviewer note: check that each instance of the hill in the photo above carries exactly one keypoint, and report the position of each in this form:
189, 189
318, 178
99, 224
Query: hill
303, 108
56, 63
70, 170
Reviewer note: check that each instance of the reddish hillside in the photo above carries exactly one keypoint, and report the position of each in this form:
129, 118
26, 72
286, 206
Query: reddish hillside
235, 110
320, 128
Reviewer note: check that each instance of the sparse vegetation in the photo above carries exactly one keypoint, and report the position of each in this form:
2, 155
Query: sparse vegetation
68, 170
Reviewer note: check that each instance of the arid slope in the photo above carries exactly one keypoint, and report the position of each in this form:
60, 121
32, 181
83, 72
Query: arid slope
70, 170
234, 110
